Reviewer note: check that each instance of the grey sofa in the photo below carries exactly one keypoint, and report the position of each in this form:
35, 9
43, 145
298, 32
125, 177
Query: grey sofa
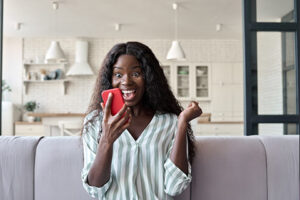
225, 168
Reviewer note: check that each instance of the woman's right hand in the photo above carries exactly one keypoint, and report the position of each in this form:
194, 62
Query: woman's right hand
113, 126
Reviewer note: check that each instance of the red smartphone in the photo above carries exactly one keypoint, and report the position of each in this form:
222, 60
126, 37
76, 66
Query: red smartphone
117, 100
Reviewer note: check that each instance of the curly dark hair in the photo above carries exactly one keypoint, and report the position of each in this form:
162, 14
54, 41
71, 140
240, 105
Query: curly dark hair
157, 96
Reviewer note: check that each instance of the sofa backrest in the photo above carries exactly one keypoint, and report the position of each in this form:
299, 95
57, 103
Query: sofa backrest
246, 168
225, 168
17, 160
59, 161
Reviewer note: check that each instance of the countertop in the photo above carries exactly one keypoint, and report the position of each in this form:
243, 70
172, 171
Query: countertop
41, 115
28, 123
56, 114
221, 122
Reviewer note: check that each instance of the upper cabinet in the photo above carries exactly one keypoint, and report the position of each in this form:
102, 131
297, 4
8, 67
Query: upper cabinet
189, 81
183, 81
202, 84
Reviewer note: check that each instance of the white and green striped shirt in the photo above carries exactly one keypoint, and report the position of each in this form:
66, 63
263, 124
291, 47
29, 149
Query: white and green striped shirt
140, 169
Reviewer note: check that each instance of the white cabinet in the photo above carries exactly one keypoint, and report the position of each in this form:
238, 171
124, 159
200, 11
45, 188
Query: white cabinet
189, 81
220, 129
32, 74
29, 129
227, 92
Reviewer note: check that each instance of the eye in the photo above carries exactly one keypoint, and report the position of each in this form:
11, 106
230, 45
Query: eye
136, 74
118, 75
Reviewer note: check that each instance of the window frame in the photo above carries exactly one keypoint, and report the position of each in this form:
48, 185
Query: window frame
250, 29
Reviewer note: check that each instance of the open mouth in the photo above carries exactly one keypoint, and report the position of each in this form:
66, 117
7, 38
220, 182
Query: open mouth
128, 94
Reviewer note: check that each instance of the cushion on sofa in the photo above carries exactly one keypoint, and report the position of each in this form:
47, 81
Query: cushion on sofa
17, 156
59, 161
229, 168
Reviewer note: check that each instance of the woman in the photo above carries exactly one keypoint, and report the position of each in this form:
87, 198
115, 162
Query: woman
144, 151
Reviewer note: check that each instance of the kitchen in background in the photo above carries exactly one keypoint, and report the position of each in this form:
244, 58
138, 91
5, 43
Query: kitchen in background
211, 74
220, 61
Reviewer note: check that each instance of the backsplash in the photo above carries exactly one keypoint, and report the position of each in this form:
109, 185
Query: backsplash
79, 89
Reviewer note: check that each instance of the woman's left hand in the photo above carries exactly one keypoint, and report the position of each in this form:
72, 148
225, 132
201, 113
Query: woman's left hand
191, 112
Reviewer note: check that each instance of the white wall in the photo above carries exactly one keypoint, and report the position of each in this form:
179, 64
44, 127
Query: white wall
222, 54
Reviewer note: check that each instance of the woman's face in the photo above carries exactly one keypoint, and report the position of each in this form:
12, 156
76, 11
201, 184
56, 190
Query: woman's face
127, 75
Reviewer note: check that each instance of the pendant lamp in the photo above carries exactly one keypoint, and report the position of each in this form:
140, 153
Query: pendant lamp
55, 52
176, 52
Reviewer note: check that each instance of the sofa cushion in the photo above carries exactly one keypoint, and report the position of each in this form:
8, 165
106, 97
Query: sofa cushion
59, 161
185, 195
229, 168
282, 167
17, 155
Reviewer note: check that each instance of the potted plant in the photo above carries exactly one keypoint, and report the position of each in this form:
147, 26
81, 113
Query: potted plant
30, 107
5, 88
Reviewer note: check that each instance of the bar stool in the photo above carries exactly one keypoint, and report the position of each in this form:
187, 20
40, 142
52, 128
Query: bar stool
70, 128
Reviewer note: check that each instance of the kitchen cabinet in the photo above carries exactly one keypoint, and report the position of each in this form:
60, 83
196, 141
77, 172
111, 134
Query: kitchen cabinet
50, 121
189, 81
32, 74
29, 129
219, 129
227, 92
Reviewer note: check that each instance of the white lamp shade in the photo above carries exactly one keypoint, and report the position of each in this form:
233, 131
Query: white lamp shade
55, 53
81, 65
176, 52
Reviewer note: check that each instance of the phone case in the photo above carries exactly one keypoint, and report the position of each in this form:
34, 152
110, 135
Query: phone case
117, 101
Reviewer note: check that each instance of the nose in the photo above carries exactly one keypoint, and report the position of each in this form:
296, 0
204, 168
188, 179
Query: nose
126, 80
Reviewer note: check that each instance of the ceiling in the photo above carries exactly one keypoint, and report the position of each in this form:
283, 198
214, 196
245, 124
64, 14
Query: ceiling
144, 19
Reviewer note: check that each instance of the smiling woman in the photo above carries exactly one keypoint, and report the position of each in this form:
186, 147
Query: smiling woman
150, 133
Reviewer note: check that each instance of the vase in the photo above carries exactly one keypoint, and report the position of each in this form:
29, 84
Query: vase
30, 118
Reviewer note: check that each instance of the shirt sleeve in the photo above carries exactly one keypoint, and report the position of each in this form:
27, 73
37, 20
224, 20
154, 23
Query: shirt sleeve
90, 145
175, 180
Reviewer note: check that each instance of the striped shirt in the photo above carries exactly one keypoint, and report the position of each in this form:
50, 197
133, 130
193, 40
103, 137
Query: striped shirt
140, 169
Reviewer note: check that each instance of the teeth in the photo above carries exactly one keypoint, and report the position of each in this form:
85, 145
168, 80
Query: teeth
127, 91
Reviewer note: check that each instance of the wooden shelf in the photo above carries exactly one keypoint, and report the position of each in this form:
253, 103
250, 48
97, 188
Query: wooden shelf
46, 81
27, 65
220, 122
27, 123
45, 64
56, 114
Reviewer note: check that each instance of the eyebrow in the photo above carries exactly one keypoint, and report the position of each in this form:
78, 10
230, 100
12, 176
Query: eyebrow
133, 67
